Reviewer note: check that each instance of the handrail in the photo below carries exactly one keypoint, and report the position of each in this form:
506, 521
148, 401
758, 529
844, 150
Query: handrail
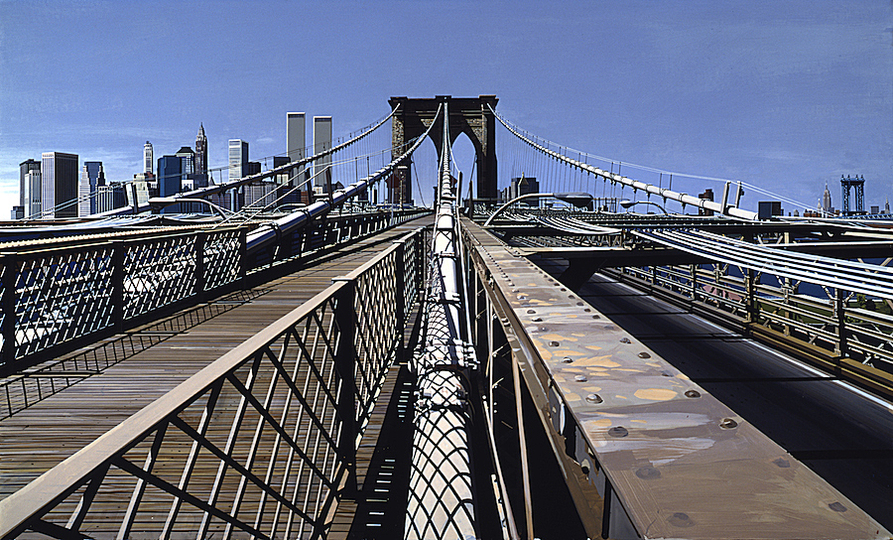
329, 317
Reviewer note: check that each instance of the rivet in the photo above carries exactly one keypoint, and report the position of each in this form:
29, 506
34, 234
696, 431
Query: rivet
618, 431
537, 319
554, 343
680, 519
596, 316
594, 398
837, 507
728, 423
567, 360
647, 473
570, 296
644, 355
579, 303
625, 340
563, 289
531, 311
692, 393
580, 378
782, 463
587, 310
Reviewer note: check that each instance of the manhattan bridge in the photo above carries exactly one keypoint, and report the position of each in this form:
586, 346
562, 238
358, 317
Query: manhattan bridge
563, 358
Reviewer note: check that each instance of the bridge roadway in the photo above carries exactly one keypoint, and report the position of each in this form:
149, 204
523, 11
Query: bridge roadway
839, 431
646, 450
42, 435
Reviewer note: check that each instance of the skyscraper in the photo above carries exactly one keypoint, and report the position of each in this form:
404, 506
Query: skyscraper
59, 185
170, 173
26, 193
826, 200
24, 168
92, 176
238, 158
32, 205
187, 168
322, 141
296, 143
148, 158
201, 152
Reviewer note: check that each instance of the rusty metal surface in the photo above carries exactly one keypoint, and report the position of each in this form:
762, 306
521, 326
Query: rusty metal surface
682, 464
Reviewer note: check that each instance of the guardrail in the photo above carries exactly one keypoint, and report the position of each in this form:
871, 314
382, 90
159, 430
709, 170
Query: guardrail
832, 330
261, 442
57, 299
53, 298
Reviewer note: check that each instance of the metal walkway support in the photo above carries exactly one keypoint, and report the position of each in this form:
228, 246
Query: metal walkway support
645, 452
441, 498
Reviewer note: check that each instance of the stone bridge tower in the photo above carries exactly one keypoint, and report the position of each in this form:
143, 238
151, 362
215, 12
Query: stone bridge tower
471, 116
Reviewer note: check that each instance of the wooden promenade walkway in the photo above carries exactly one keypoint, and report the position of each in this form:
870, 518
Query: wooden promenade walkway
45, 433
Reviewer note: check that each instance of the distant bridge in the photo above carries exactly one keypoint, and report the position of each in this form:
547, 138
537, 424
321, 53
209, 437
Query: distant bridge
348, 369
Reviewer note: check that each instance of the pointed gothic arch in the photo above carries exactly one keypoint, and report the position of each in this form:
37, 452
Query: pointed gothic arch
471, 116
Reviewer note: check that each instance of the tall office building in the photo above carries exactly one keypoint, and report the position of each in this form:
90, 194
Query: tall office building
26, 191
59, 185
322, 141
32, 207
238, 168
826, 200
92, 176
170, 174
238, 158
148, 158
24, 168
296, 144
110, 197
201, 152
187, 168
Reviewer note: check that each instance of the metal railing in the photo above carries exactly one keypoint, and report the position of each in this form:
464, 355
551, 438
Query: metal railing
56, 299
831, 326
57, 296
262, 442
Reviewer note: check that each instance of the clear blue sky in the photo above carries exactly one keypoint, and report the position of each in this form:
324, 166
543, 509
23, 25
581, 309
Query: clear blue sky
784, 95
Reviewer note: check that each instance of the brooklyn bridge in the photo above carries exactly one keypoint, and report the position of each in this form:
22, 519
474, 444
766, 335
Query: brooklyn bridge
559, 357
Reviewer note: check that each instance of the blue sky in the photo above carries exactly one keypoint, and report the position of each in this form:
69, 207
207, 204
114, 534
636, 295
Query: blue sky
783, 95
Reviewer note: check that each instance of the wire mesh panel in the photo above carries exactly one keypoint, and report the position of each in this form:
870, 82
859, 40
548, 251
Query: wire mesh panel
158, 273
377, 329
61, 296
221, 258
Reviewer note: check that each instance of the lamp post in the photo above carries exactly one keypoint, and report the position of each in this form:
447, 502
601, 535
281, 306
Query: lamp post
629, 204
579, 199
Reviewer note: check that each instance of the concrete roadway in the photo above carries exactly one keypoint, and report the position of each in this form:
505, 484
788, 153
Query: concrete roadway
841, 432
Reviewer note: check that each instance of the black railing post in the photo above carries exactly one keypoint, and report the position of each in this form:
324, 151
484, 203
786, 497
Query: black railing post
8, 301
840, 309
750, 290
345, 367
243, 256
119, 296
400, 297
200, 240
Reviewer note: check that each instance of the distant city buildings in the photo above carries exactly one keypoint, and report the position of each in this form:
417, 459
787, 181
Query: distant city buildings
148, 158
827, 206
238, 159
521, 186
322, 141
201, 152
59, 185
29, 187
92, 177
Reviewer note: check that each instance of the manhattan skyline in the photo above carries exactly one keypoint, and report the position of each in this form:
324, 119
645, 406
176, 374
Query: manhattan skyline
788, 97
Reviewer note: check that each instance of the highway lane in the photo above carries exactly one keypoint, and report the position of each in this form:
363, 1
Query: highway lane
839, 431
